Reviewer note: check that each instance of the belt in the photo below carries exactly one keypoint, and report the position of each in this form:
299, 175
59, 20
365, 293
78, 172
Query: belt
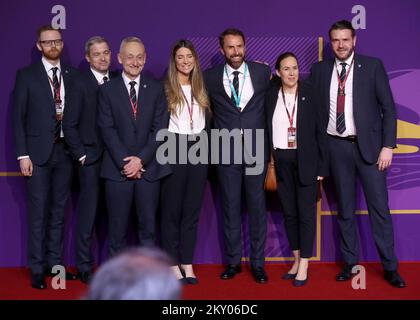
348, 138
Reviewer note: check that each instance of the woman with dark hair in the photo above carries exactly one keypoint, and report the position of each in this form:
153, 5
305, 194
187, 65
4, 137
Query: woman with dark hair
182, 191
297, 143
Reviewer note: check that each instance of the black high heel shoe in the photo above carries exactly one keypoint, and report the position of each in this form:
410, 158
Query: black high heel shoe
289, 276
187, 280
300, 283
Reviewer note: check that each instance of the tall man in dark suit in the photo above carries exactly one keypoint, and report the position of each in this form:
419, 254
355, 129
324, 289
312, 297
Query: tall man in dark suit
360, 120
86, 146
39, 98
132, 109
237, 90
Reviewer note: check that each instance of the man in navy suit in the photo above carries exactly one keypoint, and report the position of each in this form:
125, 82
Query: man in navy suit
86, 146
39, 98
237, 90
360, 120
132, 109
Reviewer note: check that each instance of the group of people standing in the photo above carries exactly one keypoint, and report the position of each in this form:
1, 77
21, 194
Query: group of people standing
341, 122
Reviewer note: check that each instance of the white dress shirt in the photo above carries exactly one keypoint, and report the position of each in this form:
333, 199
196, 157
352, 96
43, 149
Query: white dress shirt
180, 121
99, 76
348, 106
248, 89
48, 67
281, 120
127, 81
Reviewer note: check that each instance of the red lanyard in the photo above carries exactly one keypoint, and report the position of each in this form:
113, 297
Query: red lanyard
57, 92
190, 106
134, 107
342, 85
294, 106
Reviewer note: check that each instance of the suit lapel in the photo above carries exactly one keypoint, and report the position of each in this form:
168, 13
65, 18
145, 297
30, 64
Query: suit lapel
219, 83
357, 70
45, 84
253, 76
125, 100
66, 76
273, 97
328, 74
92, 78
141, 98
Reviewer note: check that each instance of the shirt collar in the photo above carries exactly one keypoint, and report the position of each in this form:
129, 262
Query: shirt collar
241, 69
99, 76
48, 66
347, 61
127, 80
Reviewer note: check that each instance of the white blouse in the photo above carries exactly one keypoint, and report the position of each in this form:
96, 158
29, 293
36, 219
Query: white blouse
281, 121
180, 122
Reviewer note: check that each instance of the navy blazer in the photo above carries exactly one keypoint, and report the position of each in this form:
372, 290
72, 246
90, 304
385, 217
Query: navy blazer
34, 112
123, 136
226, 115
373, 105
311, 138
79, 121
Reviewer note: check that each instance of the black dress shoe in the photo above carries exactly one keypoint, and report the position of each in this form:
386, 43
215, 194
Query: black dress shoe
69, 275
86, 276
300, 283
289, 276
394, 279
191, 280
230, 271
345, 273
259, 275
38, 281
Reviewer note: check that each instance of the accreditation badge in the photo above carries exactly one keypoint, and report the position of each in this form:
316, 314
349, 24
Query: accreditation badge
291, 137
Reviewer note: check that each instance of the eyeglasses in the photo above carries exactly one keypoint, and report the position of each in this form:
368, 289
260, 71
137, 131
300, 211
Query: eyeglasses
49, 43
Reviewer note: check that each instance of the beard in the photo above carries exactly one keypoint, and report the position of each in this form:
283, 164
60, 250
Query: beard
52, 54
347, 55
235, 64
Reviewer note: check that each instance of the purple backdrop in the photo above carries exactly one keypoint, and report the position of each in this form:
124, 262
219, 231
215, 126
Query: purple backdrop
270, 26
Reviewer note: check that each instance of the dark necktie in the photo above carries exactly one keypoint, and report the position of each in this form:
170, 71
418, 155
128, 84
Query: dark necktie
133, 97
340, 120
235, 86
56, 85
105, 79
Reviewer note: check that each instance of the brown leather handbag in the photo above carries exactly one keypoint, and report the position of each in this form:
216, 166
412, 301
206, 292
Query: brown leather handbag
270, 183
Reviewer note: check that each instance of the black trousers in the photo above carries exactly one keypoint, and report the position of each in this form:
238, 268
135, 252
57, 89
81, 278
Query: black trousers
90, 186
232, 178
120, 196
181, 199
346, 164
47, 193
298, 202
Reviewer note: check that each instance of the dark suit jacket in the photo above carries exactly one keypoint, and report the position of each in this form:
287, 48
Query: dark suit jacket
226, 116
79, 121
311, 150
373, 104
34, 111
123, 136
